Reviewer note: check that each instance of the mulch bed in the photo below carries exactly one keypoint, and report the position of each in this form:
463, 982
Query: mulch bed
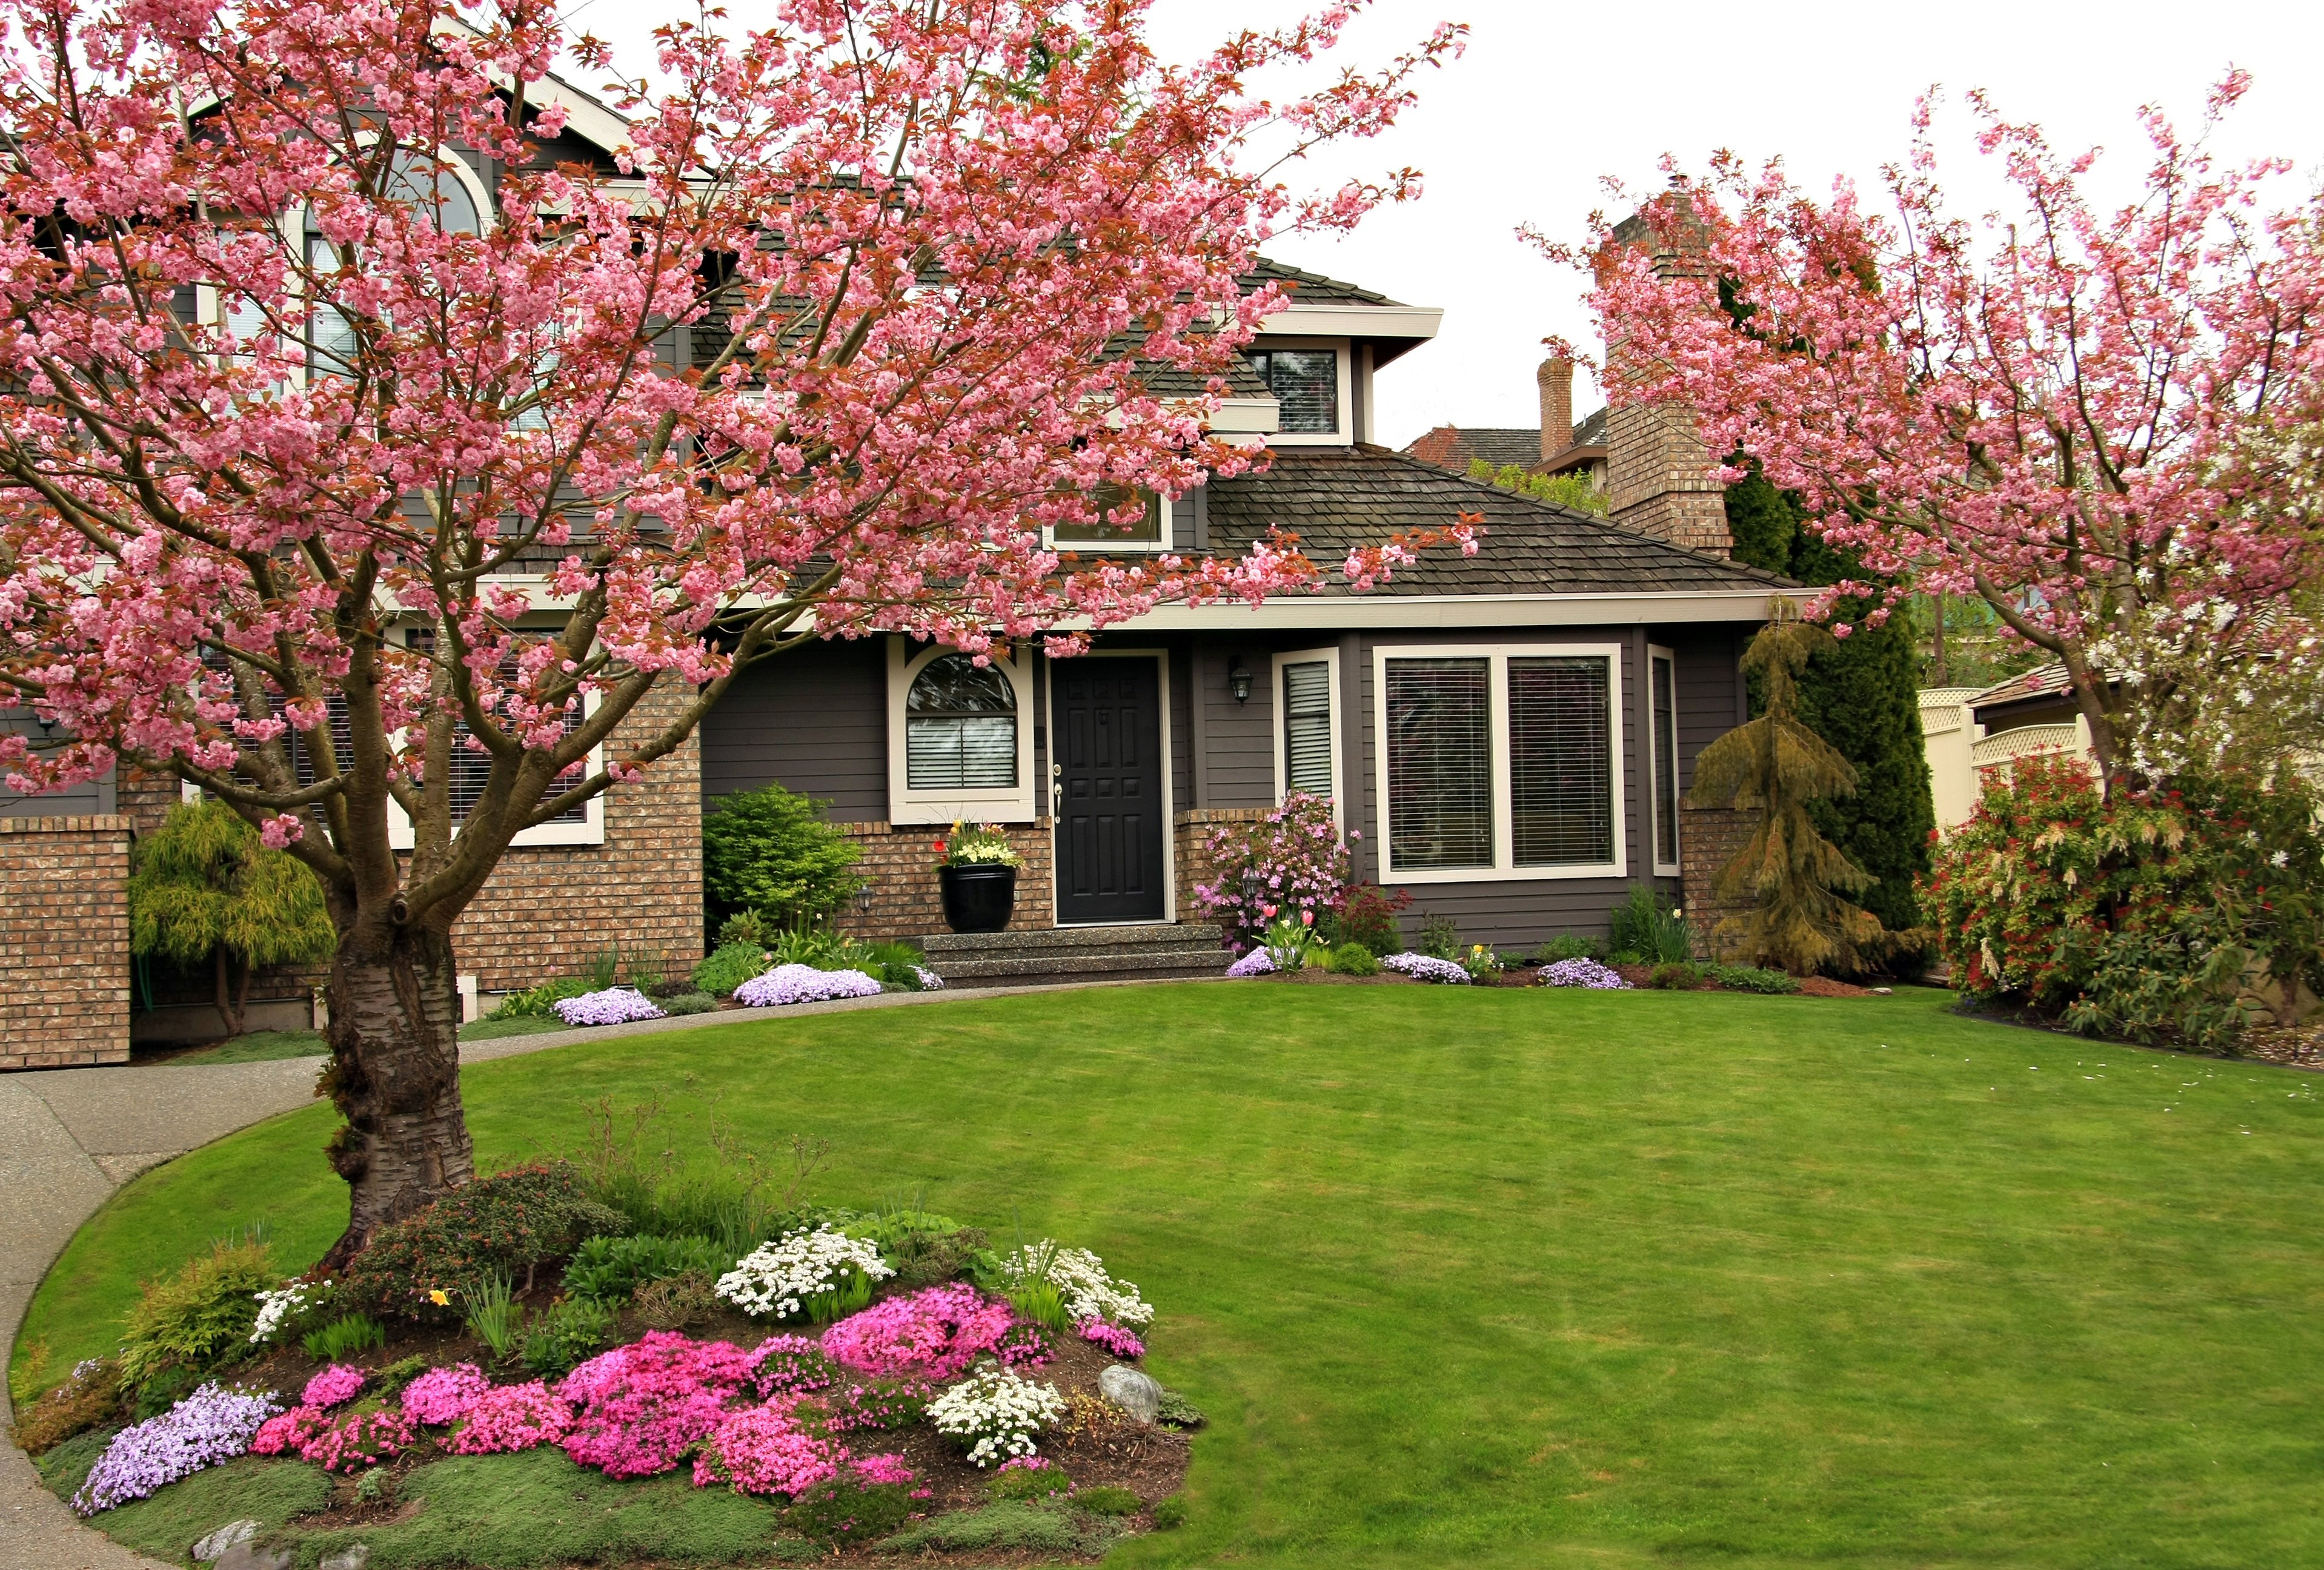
1099, 1446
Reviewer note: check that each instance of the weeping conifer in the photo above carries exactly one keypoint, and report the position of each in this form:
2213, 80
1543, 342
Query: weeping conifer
1790, 875
204, 889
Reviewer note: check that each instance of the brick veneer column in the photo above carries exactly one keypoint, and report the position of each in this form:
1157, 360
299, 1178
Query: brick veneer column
64, 941
900, 865
1709, 838
549, 909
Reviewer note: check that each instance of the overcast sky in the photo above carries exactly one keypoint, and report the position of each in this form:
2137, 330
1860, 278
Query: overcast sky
1551, 97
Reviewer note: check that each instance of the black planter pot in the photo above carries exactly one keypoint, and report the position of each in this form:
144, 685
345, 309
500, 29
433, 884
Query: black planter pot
977, 899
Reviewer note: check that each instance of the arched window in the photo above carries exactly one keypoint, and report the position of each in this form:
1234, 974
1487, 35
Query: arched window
960, 727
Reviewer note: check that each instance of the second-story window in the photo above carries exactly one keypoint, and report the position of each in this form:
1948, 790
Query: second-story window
1306, 387
1106, 499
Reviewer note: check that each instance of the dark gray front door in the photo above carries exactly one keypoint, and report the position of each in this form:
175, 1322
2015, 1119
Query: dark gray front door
1106, 734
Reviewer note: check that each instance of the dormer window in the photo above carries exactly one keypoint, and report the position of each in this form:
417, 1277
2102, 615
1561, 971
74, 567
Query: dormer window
1306, 387
1108, 500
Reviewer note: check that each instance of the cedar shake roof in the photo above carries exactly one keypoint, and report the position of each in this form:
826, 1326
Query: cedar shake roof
1335, 498
1454, 447
1310, 287
2041, 682
1591, 431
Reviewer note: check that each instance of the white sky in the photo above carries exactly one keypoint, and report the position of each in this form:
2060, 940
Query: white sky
1549, 98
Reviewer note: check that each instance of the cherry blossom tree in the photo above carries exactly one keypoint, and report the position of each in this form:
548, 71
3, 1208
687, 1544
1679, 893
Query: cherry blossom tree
344, 446
2053, 409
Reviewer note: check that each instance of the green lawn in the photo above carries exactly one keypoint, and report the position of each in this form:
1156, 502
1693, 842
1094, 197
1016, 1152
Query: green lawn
265, 1046
1522, 1279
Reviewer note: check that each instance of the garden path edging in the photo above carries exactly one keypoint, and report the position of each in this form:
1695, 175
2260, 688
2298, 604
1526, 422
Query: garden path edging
70, 1137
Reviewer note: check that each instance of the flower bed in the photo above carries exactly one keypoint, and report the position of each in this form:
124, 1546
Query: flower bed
787, 984
214, 1424
615, 1006
1423, 968
932, 1335
1586, 973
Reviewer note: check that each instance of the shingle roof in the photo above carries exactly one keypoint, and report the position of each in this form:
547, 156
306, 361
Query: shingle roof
1338, 498
1497, 445
2041, 682
1591, 431
1310, 287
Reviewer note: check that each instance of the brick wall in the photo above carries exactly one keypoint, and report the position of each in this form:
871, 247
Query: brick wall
64, 941
1709, 838
549, 910
1658, 478
1194, 845
900, 865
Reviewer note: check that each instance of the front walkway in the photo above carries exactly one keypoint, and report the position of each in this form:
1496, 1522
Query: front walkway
69, 1137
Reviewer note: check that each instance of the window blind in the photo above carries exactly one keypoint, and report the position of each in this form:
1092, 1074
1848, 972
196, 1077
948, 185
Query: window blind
960, 727
330, 337
1440, 763
1307, 728
1665, 695
1561, 768
472, 769
1306, 387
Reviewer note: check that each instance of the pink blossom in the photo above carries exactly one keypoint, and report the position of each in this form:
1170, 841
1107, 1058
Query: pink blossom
934, 1334
765, 1450
645, 1405
338, 1383
1112, 1338
515, 1417
444, 1395
290, 1432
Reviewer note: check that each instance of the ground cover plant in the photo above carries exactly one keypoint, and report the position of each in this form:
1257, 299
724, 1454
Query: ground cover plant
1536, 1276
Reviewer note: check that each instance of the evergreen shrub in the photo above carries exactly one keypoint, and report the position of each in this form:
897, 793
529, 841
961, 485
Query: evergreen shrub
513, 1222
769, 852
729, 966
187, 1322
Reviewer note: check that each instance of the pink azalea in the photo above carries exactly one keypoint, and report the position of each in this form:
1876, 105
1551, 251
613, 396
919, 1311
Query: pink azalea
644, 1406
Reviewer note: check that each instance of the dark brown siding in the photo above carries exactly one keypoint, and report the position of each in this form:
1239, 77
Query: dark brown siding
90, 797
814, 720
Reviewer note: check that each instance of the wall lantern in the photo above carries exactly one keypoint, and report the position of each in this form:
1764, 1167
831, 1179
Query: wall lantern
1237, 680
863, 900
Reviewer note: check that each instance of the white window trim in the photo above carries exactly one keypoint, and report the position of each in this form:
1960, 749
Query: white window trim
590, 830
1330, 659
1124, 547
1656, 651
1497, 657
1161, 658
909, 806
1342, 435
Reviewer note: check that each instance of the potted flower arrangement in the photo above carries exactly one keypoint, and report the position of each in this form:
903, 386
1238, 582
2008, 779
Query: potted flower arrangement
976, 874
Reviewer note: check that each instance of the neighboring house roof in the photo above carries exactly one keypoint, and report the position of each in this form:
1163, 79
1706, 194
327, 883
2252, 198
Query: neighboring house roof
1591, 431
1454, 446
2041, 682
1336, 498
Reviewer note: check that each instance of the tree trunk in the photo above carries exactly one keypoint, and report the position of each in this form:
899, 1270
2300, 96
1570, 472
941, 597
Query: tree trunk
229, 1005
394, 1076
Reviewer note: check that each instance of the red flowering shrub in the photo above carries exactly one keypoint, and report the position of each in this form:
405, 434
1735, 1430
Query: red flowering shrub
1289, 862
2168, 914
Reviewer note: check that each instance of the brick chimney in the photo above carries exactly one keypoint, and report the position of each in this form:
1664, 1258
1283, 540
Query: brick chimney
1556, 378
1657, 470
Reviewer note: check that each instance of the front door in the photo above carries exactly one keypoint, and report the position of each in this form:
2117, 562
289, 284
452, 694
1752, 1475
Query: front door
1105, 740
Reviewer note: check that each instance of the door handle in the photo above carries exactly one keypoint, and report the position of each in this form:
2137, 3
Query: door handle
1057, 796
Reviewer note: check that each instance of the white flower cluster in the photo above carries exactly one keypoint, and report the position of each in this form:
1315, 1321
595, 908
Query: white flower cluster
284, 1302
1080, 1275
996, 1413
777, 1278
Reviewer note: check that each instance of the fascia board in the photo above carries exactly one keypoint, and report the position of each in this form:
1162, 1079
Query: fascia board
1356, 321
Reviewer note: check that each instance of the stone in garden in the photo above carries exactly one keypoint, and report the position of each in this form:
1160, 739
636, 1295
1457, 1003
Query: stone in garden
354, 1556
1132, 1390
251, 1556
233, 1533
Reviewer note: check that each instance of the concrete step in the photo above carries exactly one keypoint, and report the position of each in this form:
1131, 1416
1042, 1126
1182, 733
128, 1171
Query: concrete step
1040, 971
1061, 941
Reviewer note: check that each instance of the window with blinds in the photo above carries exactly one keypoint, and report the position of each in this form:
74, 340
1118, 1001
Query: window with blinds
1440, 765
1109, 499
1306, 387
1664, 678
1560, 762
472, 769
1307, 728
960, 727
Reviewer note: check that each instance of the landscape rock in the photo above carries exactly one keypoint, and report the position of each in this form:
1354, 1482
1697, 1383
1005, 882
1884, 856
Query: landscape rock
1131, 1390
251, 1556
231, 1535
354, 1556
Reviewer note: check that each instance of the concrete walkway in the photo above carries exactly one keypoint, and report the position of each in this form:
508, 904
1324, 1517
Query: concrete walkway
69, 1137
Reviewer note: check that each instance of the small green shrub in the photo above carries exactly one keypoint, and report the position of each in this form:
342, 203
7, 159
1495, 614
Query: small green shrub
388, 1382
838, 1510
494, 1315
510, 1222
1675, 977
884, 1404
1170, 1514
686, 1298
1625, 957
1751, 978
376, 1486
565, 1336
540, 1001
163, 1391
770, 851
689, 1003
343, 1337
746, 928
729, 966
895, 966
1179, 1412
1567, 946
1350, 960
610, 1269
1109, 1500
1029, 1483
1649, 926
1480, 962
922, 1248
1440, 937
190, 1320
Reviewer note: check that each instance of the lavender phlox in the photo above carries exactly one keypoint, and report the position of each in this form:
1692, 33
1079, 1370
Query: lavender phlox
1255, 963
216, 1423
1586, 973
787, 984
615, 1006
1426, 968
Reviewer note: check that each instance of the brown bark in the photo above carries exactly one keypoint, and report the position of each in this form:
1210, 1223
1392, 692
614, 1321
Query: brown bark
229, 1001
395, 1075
